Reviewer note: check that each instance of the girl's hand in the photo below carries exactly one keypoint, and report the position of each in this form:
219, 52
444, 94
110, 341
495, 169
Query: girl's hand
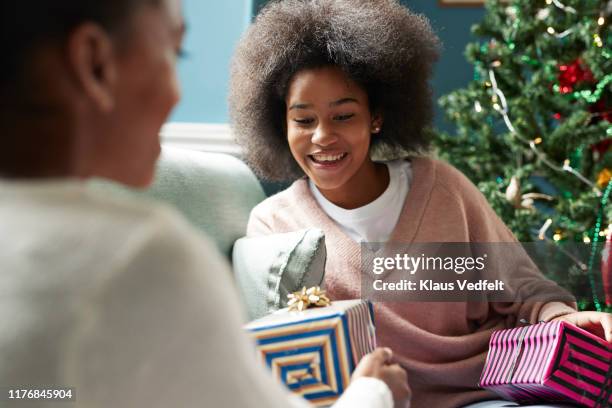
597, 323
378, 364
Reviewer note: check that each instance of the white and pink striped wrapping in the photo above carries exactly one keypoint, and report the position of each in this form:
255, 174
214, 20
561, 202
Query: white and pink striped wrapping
549, 362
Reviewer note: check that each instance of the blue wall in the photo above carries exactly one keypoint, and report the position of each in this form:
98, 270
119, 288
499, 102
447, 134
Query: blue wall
214, 27
452, 24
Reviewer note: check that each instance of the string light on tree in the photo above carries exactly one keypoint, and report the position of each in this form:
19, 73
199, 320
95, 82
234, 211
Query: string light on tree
503, 109
597, 40
562, 6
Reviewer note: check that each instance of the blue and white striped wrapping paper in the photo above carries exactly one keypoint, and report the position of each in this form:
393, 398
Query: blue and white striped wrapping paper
315, 351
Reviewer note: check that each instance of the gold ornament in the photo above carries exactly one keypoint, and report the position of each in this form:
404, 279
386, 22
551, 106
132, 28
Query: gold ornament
513, 192
603, 178
305, 298
522, 201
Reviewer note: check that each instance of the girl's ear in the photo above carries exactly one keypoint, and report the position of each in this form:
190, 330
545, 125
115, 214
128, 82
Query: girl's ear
377, 121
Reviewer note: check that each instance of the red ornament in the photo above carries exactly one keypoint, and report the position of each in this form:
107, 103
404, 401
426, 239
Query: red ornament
557, 116
601, 147
573, 74
602, 110
606, 268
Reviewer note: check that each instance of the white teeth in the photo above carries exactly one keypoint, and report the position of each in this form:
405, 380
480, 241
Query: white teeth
327, 157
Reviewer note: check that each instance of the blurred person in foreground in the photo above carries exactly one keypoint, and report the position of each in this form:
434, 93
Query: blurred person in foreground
118, 298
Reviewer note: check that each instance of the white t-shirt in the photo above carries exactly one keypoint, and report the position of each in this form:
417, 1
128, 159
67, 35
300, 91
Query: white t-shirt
124, 301
374, 222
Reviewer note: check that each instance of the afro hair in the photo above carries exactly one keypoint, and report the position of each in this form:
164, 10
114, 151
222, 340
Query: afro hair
379, 44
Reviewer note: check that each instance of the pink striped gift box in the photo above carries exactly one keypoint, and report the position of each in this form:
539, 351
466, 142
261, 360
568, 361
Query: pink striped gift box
549, 362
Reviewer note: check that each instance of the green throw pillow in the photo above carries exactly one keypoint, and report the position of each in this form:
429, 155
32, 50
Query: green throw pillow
268, 268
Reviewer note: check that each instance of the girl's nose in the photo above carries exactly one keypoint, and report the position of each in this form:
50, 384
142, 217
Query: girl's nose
323, 136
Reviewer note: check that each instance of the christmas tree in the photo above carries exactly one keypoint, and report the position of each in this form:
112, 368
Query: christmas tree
534, 132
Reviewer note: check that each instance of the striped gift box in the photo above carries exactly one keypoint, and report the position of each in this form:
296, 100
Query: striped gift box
549, 362
315, 351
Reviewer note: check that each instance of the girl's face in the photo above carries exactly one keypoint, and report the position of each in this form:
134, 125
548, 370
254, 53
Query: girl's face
329, 126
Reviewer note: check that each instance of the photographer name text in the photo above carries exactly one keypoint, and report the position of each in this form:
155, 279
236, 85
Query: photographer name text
428, 285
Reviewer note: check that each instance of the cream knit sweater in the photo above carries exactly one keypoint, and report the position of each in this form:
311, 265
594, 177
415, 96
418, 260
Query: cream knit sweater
125, 302
442, 345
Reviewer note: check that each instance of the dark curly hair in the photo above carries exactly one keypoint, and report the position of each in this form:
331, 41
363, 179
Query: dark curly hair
380, 44
26, 24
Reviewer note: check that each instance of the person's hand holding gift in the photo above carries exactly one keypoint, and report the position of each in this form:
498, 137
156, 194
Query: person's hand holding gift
598, 323
379, 364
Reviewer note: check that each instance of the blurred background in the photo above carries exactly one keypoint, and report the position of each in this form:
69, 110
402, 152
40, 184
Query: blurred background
215, 27
523, 93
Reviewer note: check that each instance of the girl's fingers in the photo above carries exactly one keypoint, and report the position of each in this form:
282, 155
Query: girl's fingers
606, 323
597, 323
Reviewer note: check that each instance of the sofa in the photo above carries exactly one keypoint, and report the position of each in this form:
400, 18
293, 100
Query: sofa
216, 193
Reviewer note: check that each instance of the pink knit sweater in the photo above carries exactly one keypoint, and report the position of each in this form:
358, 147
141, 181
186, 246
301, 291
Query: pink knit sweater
442, 345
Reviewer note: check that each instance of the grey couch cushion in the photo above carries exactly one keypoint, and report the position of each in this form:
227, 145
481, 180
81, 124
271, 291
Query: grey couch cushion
268, 268
214, 191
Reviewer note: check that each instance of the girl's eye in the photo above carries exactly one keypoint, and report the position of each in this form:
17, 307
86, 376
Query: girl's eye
305, 121
344, 117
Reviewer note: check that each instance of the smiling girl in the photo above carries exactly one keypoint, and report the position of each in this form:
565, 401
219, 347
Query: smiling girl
319, 88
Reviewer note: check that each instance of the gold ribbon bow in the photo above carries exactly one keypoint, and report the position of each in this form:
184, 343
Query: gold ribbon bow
305, 298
